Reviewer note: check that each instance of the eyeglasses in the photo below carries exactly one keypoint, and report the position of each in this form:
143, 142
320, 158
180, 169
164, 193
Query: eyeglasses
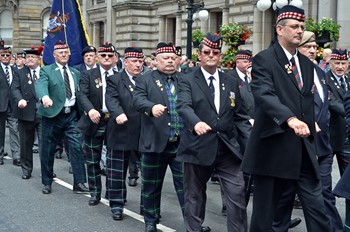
105, 55
214, 52
7, 55
308, 47
296, 26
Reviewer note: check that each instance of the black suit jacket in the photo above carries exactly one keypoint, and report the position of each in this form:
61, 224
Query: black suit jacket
273, 148
230, 125
246, 93
90, 97
322, 116
119, 95
337, 123
6, 102
23, 87
150, 91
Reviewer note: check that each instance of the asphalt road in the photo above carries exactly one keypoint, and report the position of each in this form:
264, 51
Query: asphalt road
23, 208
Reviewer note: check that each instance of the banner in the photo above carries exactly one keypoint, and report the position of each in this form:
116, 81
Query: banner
66, 24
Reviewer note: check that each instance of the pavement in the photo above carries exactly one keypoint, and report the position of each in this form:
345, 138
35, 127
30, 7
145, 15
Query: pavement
23, 208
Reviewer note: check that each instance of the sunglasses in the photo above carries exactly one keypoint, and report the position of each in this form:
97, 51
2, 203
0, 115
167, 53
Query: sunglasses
207, 52
105, 55
7, 55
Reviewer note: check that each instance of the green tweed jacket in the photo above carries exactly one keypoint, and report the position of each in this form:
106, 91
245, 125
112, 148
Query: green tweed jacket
51, 83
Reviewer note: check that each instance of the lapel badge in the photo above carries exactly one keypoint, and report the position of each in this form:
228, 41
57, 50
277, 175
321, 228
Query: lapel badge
232, 98
323, 81
29, 79
288, 67
131, 88
159, 85
223, 86
98, 82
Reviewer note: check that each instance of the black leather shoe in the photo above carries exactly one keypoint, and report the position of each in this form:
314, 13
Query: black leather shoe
205, 229
80, 188
6, 154
54, 175
294, 222
46, 189
35, 150
118, 216
26, 176
94, 200
70, 170
17, 162
150, 228
103, 172
132, 182
1, 162
224, 210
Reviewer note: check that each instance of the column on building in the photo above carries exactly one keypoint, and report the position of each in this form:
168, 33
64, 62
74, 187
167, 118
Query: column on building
161, 28
225, 15
327, 9
108, 23
344, 20
178, 35
257, 29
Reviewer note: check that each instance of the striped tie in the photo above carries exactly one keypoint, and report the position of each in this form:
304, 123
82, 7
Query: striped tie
171, 85
296, 73
35, 77
66, 83
211, 87
7, 74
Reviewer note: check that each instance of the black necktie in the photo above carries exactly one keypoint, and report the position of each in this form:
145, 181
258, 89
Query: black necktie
296, 73
211, 87
66, 83
34, 76
7, 73
342, 84
247, 83
134, 78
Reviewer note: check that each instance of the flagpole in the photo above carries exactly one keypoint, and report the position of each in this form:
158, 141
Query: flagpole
64, 20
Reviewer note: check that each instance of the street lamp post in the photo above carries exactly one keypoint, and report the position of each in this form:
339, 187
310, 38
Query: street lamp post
263, 5
203, 15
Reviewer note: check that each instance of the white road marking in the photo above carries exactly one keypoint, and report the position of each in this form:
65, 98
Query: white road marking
126, 211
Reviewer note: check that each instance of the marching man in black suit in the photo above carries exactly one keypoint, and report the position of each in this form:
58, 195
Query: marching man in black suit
6, 108
156, 98
243, 61
308, 47
94, 121
338, 83
211, 106
281, 148
89, 54
123, 128
27, 103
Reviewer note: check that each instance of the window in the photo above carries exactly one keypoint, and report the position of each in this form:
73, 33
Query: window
6, 25
44, 20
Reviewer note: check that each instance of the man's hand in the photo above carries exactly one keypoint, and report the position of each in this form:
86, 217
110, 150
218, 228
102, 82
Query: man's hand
300, 128
94, 115
158, 110
47, 102
202, 128
121, 119
22, 104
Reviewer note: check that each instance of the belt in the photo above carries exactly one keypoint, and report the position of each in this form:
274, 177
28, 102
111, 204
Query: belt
67, 109
105, 115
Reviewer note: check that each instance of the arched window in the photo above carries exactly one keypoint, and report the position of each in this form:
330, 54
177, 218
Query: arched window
6, 25
44, 20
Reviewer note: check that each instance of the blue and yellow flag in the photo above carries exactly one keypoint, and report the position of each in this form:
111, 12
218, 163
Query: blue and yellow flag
66, 24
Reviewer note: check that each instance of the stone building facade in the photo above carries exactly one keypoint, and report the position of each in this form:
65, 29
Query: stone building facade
144, 23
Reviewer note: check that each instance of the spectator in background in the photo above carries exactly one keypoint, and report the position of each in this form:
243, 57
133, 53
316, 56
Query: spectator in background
324, 63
